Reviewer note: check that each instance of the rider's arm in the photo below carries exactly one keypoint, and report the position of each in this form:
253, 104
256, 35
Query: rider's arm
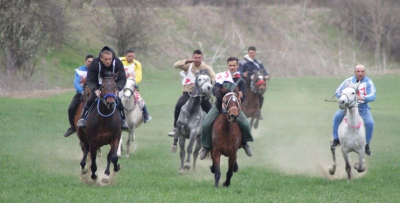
182, 65
92, 75
371, 92
77, 83
242, 88
338, 91
242, 68
211, 73
121, 79
138, 72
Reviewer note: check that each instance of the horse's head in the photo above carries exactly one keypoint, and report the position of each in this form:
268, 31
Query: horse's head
109, 90
129, 88
348, 98
231, 103
259, 84
203, 83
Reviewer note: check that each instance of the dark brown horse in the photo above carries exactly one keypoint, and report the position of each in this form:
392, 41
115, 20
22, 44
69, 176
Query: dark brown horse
226, 137
254, 89
103, 127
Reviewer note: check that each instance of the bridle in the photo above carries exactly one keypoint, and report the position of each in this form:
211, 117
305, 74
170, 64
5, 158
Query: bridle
353, 103
261, 81
226, 101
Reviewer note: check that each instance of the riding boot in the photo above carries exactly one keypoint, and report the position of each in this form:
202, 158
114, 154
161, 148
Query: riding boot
82, 122
261, 100
367, 150
203, 153
336, 143
146, 115
247, 149
124, 124
71, 129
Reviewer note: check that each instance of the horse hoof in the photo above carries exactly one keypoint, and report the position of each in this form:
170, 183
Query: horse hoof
360, 170
174, 148
127, 155
105, 179
84, 170
225, 184
187, 166
235, 168
181, 171
93, 176
332, 170
116, 169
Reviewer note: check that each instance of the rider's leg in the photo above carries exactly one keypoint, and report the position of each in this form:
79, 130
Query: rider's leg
146, 115
369, 127
71, 113
336, 122
82, 122
261, 100
206, 105
181, 101
120, 106
246, 133
206, 131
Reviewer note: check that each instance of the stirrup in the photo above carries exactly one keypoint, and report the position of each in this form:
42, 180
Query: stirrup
81, 123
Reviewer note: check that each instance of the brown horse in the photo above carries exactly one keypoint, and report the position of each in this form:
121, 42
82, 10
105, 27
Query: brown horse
226, 137
254, 89
102, 128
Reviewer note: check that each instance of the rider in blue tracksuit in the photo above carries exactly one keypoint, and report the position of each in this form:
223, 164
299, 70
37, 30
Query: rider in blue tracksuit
79, 80
366, 93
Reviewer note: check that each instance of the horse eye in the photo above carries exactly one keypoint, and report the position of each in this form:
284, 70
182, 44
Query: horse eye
352, 93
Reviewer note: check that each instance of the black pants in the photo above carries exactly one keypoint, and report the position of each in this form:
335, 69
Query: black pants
73, 106
205, 105
93, 98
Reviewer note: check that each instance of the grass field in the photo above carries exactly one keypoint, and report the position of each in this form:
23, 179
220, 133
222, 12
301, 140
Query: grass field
291, 151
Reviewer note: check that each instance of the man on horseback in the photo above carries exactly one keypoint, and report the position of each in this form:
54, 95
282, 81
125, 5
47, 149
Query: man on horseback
366, 93
230, 79
80, 79
133, 68
189, 69
105, 64
248, 66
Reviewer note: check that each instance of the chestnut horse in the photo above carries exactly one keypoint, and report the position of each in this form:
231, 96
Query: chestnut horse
251, 106
226, 137
103, 127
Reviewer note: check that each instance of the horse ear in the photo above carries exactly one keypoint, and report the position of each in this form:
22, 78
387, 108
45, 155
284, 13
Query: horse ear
115, 76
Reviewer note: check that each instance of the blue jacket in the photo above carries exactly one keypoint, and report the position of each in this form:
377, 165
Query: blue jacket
80, 78
250, 66
366, 89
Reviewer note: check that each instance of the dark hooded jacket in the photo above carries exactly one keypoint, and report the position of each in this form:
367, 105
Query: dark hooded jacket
97, 69
239, 82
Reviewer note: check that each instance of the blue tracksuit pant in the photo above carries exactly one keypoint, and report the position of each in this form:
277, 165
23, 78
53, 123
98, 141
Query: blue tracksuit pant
365, 115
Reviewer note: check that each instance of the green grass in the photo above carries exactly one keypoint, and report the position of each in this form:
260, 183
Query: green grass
291, 151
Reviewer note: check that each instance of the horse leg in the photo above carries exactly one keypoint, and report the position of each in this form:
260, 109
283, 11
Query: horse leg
348, 167
129, 141
196, 152
360, 167
93, 166
114, 156
119, 151
332, 169
175, 143
232, 162
85, 150
189, 151
251, 122
235, 167
216, 162
106, 178
182, 154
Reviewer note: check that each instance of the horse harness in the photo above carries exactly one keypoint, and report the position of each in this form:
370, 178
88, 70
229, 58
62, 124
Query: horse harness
225, 103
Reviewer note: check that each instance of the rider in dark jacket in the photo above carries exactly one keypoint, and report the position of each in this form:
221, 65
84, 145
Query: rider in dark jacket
229, 79
105, 64
249, 65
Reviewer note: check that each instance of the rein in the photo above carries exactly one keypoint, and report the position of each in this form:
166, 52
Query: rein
104, 102
234, 95
356, 127
132, 94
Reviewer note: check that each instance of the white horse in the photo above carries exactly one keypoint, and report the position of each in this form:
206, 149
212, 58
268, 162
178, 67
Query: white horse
351, 132
133, 113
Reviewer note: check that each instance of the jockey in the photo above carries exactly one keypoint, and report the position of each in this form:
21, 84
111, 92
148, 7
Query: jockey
248, 66
80, 79
228, 77
366, 93
105, 63
133, 68
189, 69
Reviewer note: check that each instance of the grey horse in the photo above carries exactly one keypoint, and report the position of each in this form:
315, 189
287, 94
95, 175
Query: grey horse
189, 121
